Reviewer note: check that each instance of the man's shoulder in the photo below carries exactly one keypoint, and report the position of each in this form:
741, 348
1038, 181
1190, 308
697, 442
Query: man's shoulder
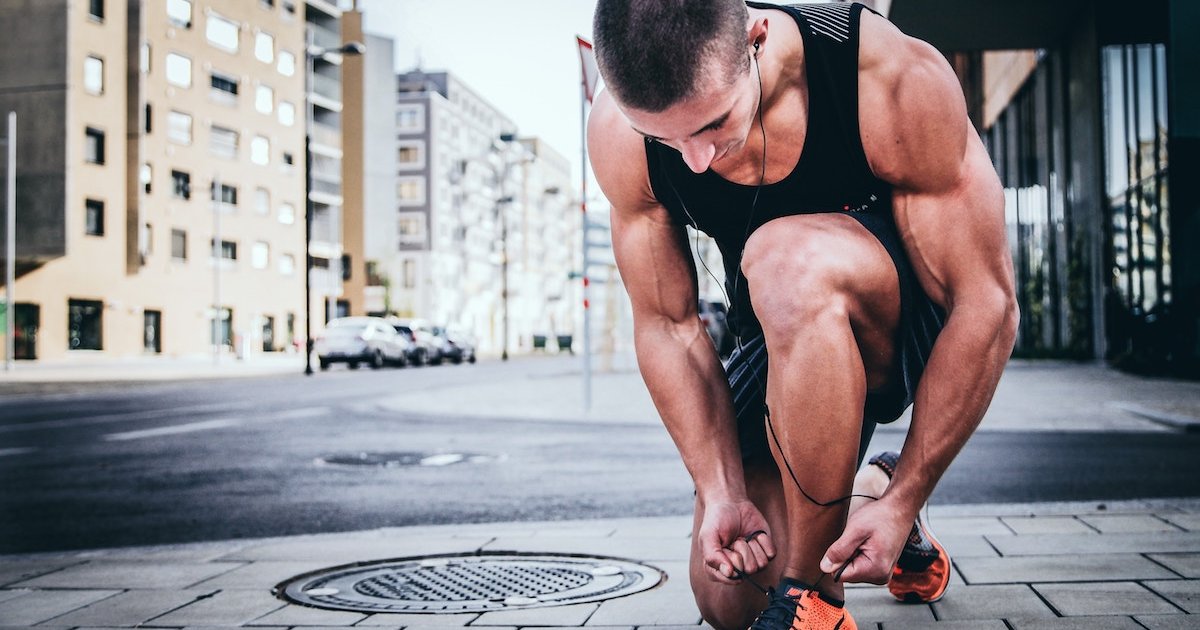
618, 155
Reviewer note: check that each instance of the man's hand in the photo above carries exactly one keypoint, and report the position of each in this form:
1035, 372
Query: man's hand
734, 535
870, 544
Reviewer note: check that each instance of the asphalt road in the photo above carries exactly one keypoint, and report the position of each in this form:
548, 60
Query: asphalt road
268, 456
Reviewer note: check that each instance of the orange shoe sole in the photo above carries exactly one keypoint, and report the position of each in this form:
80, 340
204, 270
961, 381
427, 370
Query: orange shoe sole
908, 590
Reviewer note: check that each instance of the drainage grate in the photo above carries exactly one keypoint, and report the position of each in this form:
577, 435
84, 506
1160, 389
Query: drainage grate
476, 583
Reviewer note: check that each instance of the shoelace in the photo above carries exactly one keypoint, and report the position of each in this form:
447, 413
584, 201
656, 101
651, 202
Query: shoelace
780, 612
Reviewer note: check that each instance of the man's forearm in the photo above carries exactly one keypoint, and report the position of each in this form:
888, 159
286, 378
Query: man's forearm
955, 391
687, 384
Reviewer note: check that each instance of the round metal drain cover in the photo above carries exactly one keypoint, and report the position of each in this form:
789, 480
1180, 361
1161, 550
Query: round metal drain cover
476, 583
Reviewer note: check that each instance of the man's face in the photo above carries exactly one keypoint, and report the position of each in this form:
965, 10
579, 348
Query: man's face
709, 126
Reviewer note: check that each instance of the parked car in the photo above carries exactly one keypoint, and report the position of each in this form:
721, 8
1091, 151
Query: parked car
356, 340
456, 346
425, 349
713, 316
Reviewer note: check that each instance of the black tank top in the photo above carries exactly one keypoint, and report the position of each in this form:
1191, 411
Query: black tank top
832, 174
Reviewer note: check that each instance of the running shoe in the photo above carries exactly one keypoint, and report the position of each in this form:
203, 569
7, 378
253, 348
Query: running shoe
922, 572
796, 606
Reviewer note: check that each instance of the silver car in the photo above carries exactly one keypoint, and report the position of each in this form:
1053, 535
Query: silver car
357, 340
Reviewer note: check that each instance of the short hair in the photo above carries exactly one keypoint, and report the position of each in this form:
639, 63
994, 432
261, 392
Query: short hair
652, 53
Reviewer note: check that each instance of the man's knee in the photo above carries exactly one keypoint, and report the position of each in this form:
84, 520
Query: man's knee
796, 280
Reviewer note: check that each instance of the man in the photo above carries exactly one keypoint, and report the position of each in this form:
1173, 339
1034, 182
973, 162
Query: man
862, 228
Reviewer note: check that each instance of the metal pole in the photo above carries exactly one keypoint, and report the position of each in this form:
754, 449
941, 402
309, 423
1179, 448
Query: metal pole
10, 247
504, 275
217, 251
587, 317
308, 222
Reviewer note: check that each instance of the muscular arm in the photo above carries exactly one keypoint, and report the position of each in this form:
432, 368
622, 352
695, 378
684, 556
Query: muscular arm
677, 359
949, 208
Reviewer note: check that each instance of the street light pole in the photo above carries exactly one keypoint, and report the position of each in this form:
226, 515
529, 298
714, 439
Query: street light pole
10, 247
311, 54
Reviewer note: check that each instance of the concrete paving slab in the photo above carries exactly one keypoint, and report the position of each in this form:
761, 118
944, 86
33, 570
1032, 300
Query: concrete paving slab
232, 608
574, 615
1076, 623
1183, 593
1185, 564
967, 546
130, 575
1077, 544
189, 552
1024, 525
1169, 622
1190, 522
340, 551
132, 608
7, 595
944, 526
878, 605
14, 570
669, 604
38, 606
260, 575
1128, 523
990, 624
963, 603
306, 616
1084, 568
1104, 598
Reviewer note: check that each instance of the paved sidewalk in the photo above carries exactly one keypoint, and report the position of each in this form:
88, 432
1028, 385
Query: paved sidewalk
1053, 566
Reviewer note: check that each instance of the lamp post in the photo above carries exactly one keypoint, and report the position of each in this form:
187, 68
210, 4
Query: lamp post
311, 54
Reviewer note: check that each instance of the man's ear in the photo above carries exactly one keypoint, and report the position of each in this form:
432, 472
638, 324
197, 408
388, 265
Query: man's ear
756, 35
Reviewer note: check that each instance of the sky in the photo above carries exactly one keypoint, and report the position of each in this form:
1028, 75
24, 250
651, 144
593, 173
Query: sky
520, 55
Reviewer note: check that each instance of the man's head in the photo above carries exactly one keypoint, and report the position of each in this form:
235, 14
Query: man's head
655, 53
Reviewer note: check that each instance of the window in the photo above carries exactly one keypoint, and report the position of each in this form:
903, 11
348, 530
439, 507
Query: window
222, 332
144, 59
223, 142
146, 240
289, 6
179, 127
226, 197
287, 264
288, 158
146, 176
264, 47
262, 201
228, 249
94, 220
266, 4
93, 75
178, 244
93, 148
286, 64
287, 214
96, 9
260, 150
148, 118
179, 70
260, 255
222, 33
264, 99
181, 185
410, 274
224, 88
410, 118
287, 114
179, 13
412, 228
411, 154
410, 191
83, 324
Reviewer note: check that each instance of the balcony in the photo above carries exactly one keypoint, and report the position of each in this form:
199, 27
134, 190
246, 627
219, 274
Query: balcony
328, 87
325, 37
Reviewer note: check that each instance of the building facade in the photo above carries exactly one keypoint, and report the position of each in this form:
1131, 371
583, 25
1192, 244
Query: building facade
485, 222
1092, 119
160, 177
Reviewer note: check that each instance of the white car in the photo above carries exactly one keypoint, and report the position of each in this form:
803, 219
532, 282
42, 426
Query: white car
357, 340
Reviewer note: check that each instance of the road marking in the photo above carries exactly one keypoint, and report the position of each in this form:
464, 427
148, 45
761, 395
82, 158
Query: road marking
152, 414
192, 427
5, 452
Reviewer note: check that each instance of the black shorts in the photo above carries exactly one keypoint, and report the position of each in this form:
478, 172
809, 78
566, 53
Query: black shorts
920, 322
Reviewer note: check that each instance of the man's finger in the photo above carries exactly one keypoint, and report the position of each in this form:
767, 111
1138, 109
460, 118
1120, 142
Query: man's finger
840, 551
758, 554
720, 566
741, 549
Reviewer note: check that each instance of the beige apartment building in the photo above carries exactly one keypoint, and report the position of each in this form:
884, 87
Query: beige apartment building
161, 184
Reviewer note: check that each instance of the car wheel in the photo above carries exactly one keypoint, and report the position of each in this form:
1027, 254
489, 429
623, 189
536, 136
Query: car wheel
353, 365
377, 360
472, 359
324, 365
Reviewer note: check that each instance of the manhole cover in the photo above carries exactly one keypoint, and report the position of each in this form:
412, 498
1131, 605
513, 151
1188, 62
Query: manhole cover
476, 583
404, 458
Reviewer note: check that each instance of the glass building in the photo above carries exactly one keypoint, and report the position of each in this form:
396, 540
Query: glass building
1087, 108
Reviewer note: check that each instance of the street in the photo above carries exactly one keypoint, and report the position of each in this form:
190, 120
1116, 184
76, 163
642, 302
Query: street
281, 455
